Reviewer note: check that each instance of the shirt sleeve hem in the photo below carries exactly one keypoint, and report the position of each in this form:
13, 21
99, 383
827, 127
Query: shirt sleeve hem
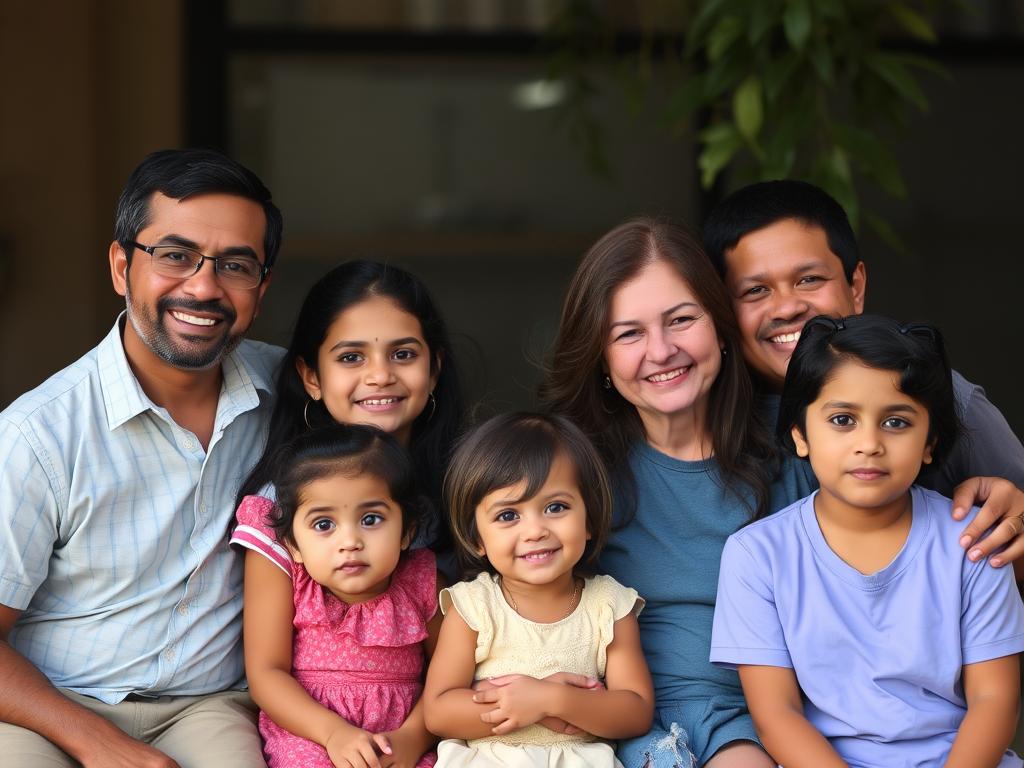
730, 658
993, 650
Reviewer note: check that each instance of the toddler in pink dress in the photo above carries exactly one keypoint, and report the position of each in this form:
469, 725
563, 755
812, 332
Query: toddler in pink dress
363, 606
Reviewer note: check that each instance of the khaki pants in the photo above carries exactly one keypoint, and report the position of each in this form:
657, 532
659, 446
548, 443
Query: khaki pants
213, 731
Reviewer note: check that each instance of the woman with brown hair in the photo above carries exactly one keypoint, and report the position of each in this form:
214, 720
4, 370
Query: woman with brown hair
647, 364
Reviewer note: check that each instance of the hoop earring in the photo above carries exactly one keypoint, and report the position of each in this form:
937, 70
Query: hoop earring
305, 411
433, 405
607, 384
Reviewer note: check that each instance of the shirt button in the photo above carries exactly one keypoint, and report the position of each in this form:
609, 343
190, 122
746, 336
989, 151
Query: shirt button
190, 444
183, 609
169, 654
203, 507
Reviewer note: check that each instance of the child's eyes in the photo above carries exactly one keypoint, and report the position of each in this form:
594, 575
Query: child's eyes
350, 357
323, 524
404, 354
842, 420
507, 516
555, 507
895, 422
371, 520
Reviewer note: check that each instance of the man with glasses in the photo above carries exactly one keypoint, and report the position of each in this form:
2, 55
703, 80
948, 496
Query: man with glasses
120, 602
786, 252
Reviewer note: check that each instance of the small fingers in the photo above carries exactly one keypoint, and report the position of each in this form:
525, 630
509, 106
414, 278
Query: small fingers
501, 680
488, 696
382, 742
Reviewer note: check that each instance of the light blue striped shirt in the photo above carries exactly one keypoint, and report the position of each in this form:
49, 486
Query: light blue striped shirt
114, 522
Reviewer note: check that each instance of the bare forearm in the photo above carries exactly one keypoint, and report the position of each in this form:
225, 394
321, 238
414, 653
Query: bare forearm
792, 741
454, 715
618, 714
289, 705
416, 727
29, 700
984, 734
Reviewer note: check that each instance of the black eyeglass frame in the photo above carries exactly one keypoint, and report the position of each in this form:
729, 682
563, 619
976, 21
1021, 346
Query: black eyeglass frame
150, 249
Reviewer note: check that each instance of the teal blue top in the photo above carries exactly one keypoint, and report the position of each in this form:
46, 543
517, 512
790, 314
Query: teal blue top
670, 552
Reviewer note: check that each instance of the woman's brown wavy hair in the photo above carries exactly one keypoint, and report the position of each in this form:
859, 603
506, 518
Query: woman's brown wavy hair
573, 385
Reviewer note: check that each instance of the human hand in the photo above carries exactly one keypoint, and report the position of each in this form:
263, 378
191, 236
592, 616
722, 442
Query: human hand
350, 747
119, 750
519, 701
407, 747
556, 724
1002, 506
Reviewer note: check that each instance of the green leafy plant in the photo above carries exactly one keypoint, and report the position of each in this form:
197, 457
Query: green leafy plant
784, 88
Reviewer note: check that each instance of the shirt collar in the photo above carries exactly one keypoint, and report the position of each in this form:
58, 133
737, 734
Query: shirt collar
123, 397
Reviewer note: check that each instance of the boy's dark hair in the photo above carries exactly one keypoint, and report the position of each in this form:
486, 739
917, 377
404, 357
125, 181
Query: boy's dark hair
521, 447
762, 204
433, 431
915, 352
346, 449
184, 173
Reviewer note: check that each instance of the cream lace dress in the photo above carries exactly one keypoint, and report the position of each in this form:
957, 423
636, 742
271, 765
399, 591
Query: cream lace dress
507, 643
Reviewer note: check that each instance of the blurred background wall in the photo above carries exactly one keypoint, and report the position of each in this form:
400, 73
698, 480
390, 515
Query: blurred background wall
415, 131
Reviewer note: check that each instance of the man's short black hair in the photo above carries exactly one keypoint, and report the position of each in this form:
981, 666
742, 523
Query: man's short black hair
183, 173
762, 204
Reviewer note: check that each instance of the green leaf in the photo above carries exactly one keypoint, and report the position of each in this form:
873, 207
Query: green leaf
913, 22
762, 18
721, 143
724, 75
821, 57
702, 22
797, 22
726, 32
892, 71
870, 154
748, 108
777, 73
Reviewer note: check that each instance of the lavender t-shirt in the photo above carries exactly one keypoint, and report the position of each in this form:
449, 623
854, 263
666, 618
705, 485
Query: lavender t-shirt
878, 657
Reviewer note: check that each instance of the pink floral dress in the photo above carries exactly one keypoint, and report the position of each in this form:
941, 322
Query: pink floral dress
363, 661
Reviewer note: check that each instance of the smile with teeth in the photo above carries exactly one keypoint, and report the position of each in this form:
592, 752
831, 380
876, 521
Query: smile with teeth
539, 556
786, 338
657, 378
192, 319
379, 401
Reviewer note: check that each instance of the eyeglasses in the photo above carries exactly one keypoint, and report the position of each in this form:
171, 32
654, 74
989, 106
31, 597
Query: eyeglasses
180, 262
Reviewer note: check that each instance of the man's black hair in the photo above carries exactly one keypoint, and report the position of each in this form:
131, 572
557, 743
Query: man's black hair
184, 173
762, 204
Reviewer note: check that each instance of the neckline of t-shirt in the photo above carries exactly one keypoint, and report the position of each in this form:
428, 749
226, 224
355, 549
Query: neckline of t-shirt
513, 612
919, 523
647, 451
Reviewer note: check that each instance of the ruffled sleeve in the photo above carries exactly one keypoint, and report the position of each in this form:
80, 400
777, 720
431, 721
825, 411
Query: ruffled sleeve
253, 531
475, 602
394, 618
609, 601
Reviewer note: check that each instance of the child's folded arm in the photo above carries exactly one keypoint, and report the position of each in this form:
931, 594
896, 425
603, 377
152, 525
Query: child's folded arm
773, 696
992, 690
624, 708
448, 705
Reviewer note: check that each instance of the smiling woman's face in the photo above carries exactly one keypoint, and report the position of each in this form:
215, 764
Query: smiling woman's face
662, 351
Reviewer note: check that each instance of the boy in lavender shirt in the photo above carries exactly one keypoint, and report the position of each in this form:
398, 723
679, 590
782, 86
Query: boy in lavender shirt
862, 634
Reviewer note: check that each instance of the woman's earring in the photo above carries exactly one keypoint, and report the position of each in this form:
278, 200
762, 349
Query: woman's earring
607, 384
724, 351
305, 411
433, 405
